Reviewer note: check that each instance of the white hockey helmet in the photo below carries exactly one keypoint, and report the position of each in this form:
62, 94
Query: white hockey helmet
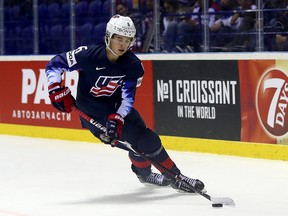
121, 25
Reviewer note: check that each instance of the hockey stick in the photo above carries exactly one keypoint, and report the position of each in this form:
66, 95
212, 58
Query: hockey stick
215, 200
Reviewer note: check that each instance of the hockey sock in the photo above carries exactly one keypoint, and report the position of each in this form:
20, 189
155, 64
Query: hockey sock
139, 165
161, 156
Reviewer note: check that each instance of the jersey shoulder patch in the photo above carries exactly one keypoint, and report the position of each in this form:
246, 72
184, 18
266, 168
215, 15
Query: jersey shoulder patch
70, 56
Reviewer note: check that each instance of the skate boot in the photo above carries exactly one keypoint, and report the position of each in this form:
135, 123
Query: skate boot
154, 179
151, 178
179, 185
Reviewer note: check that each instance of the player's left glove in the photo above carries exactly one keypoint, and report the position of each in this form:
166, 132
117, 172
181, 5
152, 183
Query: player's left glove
114, 126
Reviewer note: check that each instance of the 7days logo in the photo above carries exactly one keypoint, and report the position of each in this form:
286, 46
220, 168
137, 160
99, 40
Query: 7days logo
272, 102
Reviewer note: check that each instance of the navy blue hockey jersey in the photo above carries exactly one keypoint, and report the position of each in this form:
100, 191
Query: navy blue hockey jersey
103, 87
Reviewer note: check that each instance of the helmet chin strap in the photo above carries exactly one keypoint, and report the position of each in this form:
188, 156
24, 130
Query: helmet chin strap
108, 41
108, 47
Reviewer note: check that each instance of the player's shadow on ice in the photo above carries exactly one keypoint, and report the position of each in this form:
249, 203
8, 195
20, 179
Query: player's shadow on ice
144, 194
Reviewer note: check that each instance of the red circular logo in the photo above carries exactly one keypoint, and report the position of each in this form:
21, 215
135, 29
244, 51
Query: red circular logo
272, 100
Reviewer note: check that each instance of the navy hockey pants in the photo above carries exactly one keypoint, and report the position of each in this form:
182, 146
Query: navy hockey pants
139, 136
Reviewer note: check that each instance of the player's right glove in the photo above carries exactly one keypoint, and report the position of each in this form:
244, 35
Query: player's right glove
114, 127
62, 99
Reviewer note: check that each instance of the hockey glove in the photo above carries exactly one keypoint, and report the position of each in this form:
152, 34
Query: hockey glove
62, 99
114, 126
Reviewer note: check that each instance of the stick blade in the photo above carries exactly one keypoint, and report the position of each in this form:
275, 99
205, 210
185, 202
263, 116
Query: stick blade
225, 201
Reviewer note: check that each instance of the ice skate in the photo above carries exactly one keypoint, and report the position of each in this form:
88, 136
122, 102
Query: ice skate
179, 185
152, 178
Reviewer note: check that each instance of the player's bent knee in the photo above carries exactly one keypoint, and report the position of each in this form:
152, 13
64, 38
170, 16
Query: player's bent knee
148, 141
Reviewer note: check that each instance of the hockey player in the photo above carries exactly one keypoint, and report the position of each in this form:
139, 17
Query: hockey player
108, 78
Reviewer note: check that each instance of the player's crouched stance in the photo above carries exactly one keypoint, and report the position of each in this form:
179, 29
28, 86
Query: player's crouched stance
108, 78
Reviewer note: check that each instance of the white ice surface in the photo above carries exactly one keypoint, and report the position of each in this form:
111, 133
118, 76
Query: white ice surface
43, 177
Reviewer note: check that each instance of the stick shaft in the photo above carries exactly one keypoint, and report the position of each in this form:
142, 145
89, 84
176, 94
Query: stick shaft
157, 165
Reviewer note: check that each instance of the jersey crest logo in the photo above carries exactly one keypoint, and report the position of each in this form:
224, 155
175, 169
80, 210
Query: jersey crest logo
106, 85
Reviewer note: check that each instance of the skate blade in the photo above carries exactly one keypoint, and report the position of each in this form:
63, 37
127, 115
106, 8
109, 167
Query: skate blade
204, 191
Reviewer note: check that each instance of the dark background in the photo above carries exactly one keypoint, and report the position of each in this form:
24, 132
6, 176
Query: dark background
226, 126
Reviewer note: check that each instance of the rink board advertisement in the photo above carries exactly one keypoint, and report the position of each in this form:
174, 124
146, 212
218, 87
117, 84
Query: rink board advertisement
264, 100
241, 100
24, 95
25, 100
198, 99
